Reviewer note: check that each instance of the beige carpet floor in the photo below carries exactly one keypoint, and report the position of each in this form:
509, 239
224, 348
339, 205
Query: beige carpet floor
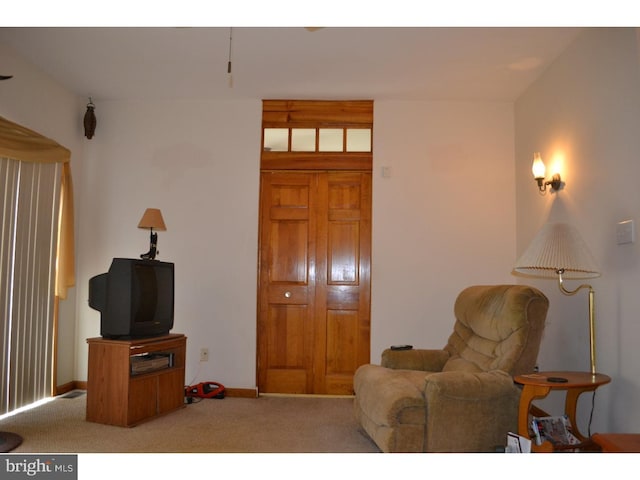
268, 424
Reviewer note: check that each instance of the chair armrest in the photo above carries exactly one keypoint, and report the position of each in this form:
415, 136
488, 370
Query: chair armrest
469, 411
428, 360
476, 386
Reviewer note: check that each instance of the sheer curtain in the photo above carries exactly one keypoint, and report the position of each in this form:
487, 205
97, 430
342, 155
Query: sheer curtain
36, 260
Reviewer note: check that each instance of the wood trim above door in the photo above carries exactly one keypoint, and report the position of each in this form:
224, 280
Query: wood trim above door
296, 113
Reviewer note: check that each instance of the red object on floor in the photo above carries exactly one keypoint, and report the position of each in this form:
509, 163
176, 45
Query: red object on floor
205, 390
618, 442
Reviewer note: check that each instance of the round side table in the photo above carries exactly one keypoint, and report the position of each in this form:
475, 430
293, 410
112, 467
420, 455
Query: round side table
538, 385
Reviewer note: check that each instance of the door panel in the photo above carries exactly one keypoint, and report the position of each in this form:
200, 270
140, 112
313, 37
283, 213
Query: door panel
313, 319
342, 309
286, 301
287, 351
289, 244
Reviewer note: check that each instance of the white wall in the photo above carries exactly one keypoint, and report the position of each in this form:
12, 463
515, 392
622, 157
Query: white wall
445, 218
585, 111
199, 163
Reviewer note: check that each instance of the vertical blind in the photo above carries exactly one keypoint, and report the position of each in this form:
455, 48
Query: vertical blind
36, 260
27, 259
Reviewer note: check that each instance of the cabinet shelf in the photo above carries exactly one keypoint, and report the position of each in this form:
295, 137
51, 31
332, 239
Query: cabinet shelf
142, 364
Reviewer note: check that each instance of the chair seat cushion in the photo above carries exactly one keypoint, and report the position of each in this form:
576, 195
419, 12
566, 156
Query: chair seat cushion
391, 396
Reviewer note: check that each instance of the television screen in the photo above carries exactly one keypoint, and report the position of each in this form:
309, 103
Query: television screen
135, 298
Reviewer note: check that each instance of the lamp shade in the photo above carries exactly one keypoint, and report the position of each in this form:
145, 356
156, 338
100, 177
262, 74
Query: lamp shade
538, 167
152, 218
557, 247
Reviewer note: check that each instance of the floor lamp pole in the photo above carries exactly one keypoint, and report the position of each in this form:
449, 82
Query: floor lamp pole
592, 330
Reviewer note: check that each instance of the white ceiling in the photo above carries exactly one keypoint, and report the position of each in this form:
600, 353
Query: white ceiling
430, 63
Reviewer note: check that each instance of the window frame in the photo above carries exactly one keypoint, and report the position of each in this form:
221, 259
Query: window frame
317, 114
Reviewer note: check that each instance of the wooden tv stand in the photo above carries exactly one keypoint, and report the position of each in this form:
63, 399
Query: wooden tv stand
120, 394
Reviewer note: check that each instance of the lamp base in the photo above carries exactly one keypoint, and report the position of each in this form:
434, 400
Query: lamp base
150, 255
153, 243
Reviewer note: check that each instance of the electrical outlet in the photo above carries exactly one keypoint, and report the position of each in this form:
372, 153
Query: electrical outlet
204, 354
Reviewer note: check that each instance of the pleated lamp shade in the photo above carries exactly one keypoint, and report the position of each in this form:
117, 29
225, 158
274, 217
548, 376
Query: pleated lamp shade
557, 246
152, 218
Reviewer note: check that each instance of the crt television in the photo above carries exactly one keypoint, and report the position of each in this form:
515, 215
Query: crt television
135, 298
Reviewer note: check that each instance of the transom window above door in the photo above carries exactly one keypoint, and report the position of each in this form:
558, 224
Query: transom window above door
317, 140
317, 135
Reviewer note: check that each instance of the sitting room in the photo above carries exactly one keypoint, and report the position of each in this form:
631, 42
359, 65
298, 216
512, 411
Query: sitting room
442, 197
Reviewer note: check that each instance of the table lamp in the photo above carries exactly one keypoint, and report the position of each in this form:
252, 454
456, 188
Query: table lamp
152, 218
558, 251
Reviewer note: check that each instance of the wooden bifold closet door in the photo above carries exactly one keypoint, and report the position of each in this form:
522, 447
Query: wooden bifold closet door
314, 280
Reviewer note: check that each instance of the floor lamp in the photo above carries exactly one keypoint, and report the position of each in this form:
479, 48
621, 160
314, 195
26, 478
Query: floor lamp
558, 251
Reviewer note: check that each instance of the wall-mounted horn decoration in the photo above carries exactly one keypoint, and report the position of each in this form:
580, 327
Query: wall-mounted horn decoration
90, 120
229, 62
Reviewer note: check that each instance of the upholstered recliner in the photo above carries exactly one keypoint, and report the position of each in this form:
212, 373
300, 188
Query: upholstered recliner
461, 398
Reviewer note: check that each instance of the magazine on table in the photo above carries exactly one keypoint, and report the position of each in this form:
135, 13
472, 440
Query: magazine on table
556, 430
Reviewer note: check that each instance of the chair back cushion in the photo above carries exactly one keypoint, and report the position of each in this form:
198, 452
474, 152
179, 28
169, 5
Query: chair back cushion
498, 327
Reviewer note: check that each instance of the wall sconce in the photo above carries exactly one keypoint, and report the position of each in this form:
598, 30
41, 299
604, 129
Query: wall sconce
152, 218
538, 170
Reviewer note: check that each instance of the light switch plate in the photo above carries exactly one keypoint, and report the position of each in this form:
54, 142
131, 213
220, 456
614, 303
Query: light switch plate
625, 232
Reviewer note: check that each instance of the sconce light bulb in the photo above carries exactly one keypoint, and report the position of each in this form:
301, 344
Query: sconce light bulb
538, 167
